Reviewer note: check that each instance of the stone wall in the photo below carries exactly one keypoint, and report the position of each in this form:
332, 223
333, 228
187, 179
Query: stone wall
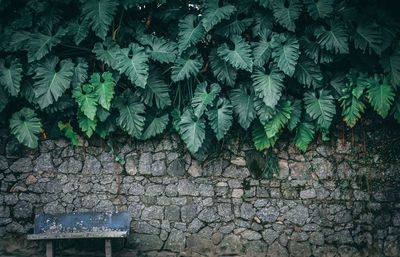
327, 202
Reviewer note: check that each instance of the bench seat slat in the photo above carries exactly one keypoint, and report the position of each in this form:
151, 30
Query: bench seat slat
72, 235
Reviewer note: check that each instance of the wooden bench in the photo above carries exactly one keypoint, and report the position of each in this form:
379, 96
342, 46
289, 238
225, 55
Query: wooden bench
81, 225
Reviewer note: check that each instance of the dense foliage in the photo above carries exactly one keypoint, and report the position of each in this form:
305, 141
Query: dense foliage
202, 68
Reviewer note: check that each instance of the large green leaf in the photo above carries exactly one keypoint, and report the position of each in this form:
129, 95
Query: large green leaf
87, 125
79, 30
295, 115
25, 126
321, 108
308, 73
191, 31
100, 14
69, 132
223, 71
159, 48
214, 13
186, 66
240, 57
202, 99
268, 86
132, 61
40, 44
304, 135
131, 111
243, 106
319, 9
87, 100
391, 64
3, 99
50, 83
334, 37
287, 12
380, 95
192, 130
260, 139
104, 88
279, 120
155, 126
11, 75
233, 27
220, 117
107, 52
80, 72
286, 53
262, 49
352, 108
368, 35
156, 90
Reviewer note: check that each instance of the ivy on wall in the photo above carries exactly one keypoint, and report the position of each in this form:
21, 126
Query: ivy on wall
201, 68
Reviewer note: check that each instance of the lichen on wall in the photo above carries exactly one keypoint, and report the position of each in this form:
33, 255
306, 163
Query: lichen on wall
329, 201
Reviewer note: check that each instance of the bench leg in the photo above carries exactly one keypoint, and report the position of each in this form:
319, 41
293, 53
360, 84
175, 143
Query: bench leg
49, 249
108, 247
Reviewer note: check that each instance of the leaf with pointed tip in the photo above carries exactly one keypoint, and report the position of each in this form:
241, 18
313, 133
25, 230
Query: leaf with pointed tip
243, 106
262, 50
268, 86
240, 57
87, 125
319, 9
260, 139
287, 15
79, 30
132, 61
380, 95
391, 65
220, 117
308, 73
51, 84
130, 117
69, 132
87, 101
352, 108
334, 38
80, 72
304, 135
100, 14
214, 14
295, 115
107, 52
25, 126
159, 49
186, 66
156, 91
40, 44
156, 125
279, 120
223, 71
368, 35
11, 75
286, 53
321, 108
104, 88
192, 130
233, 27
190, 33
202, 99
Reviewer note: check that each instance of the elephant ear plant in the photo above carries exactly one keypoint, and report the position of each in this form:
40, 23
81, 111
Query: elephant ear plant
201, 68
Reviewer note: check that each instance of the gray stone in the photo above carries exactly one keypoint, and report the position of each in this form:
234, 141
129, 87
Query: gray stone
23, 210
299, 249
208, 215
297, 215
136, 189
176, 168
188, 212
206, 190
317, 238
194, 169
270, 235
145, 162
322, 167
154, 190
131, 164
172, 213
225, 211
153, 213
199, 244
44, 163
277, 250
92, 165
308, 194
268, 214
158, 168
340, 237
143, 227
3, 163
186, 187
247, 211
230, 245
343, 217
251, 235
195, 225
22, 165
232, 171
53, 208
144, 242
71, 165
176, 241
4, 212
